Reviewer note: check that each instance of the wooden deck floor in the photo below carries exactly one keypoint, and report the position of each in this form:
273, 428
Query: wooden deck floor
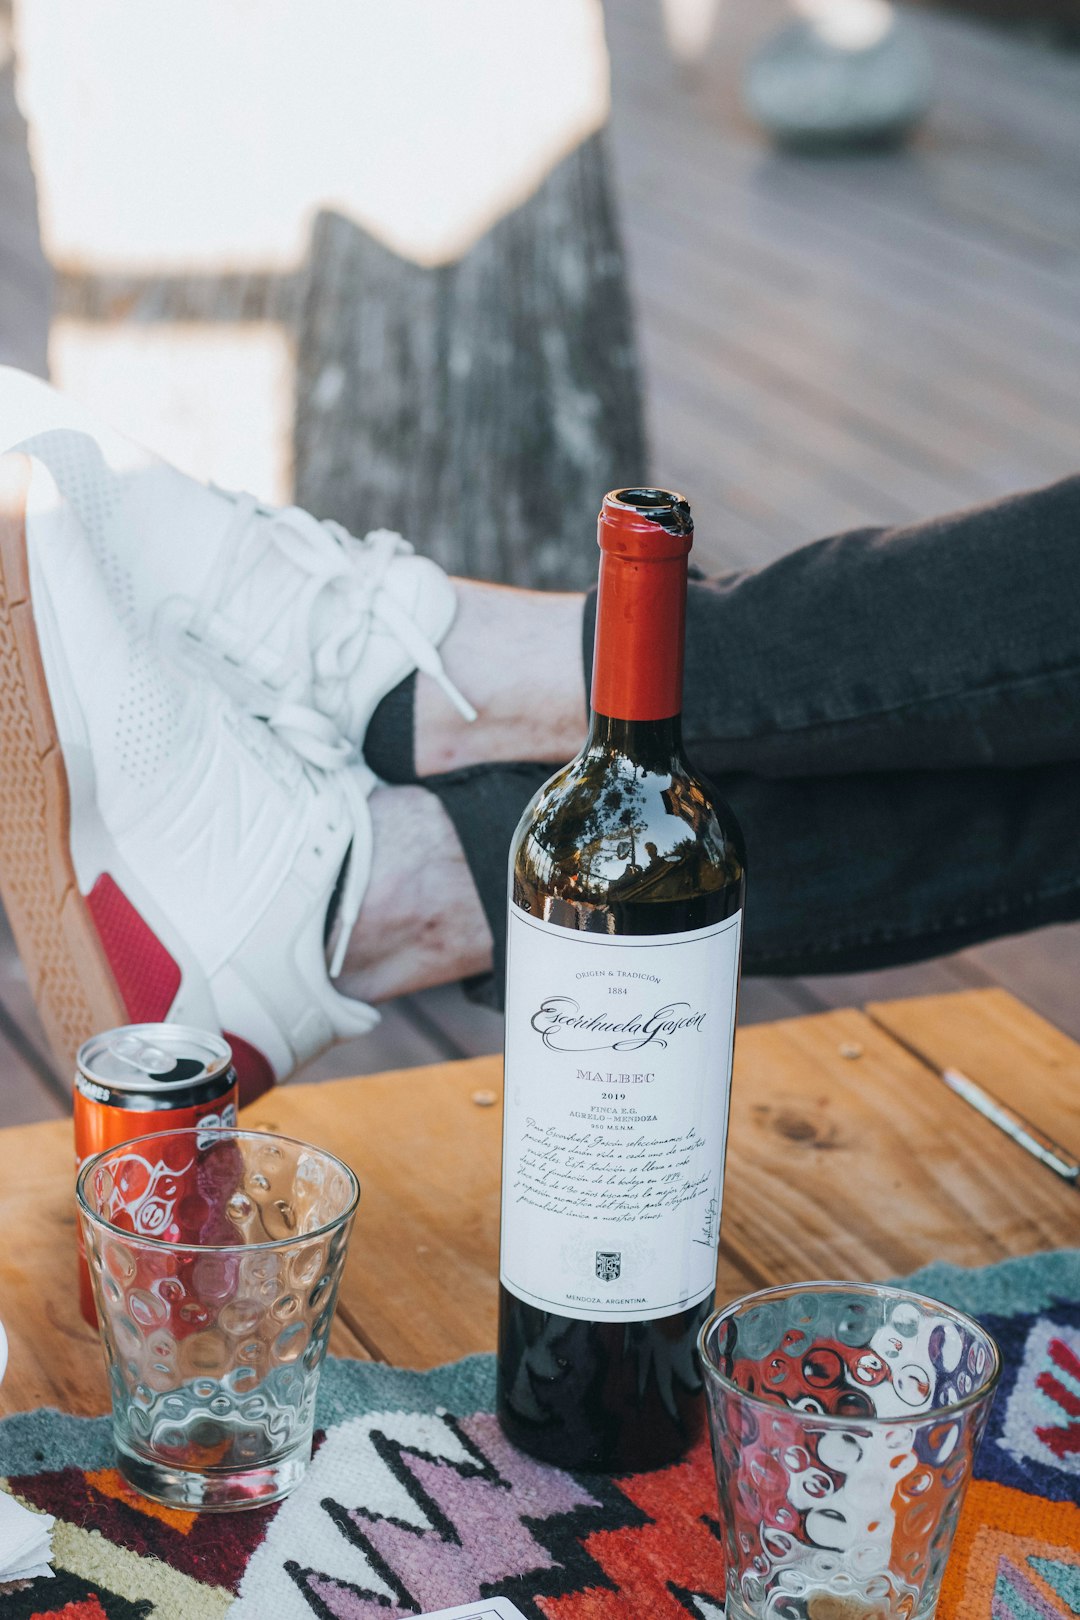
827, 343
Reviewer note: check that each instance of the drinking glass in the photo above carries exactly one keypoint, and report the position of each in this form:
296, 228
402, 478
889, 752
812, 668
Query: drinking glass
215, 1257
844, 1421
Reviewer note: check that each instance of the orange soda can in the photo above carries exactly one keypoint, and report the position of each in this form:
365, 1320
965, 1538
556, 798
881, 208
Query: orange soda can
142, 1078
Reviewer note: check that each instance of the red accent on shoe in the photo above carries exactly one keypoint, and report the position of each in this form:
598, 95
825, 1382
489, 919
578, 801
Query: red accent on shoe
253, 1071
146, 975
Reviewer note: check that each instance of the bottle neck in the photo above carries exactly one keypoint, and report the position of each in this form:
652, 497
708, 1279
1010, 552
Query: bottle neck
652, 744
640, 629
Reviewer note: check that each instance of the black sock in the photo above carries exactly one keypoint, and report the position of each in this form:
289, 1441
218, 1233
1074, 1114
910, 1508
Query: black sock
389, 746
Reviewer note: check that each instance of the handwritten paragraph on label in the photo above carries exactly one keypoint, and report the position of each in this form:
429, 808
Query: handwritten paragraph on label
583, 1175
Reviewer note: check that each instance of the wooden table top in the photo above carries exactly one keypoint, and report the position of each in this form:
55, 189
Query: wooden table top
848, 1157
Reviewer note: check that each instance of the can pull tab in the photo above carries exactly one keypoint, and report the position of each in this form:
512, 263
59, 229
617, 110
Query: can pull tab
152, 1061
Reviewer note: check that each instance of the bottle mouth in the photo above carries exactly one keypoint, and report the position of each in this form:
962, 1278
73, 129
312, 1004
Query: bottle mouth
663, 507
645, 525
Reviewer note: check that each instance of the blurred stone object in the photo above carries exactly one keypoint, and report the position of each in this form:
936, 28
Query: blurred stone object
846, 73
396, 215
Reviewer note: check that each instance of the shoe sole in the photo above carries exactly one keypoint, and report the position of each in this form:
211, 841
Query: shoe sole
69, 974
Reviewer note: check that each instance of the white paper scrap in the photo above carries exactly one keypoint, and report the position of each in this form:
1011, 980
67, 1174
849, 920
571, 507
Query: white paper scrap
25, 1541
36, 1572
496, 1608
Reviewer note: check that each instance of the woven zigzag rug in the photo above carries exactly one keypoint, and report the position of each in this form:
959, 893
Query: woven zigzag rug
415, 1502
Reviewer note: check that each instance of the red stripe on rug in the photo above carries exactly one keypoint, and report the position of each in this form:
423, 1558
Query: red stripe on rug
86, 1609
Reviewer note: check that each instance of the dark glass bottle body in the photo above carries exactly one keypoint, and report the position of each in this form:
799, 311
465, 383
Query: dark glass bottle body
625, 840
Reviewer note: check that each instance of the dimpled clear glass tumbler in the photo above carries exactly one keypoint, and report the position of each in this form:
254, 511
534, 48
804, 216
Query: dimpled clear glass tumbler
844, 1422
215, 1257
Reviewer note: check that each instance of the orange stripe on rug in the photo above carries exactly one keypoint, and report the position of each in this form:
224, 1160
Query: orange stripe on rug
109, 1482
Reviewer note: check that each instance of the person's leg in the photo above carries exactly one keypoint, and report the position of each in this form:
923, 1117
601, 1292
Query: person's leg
846, 873
521, 654
868, 705
945, 644
435, 907
422, 922
853, 873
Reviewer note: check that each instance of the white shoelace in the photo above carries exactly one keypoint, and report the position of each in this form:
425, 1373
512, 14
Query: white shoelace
326, 556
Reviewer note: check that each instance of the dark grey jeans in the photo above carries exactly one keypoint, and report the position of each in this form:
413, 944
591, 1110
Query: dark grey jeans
894, 716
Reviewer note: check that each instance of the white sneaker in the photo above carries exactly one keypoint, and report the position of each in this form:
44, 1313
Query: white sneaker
301, 623
162, 854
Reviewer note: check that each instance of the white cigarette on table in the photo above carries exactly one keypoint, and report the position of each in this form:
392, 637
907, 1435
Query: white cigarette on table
1021, 1130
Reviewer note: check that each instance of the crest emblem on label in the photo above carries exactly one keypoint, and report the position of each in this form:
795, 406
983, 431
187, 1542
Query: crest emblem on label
608, 1265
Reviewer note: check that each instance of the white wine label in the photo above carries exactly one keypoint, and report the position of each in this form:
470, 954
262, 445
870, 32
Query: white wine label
618, 1078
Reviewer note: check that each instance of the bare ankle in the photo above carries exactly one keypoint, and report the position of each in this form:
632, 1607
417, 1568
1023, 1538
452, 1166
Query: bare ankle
421, 923
517, 657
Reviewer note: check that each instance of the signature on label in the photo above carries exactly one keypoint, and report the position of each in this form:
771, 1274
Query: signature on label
710, 1223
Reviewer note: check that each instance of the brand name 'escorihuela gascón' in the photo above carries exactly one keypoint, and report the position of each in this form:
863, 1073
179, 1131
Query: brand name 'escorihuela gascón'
563, 1026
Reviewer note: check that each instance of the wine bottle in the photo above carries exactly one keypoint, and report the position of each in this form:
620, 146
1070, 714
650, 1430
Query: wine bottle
626, 895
